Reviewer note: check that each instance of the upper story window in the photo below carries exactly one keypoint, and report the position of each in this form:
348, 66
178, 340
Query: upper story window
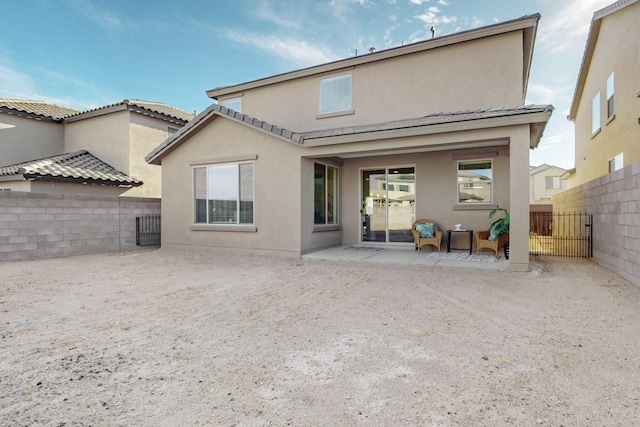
552, 183
234, 104
595, 114
610, 109
325, 189
223, 193
475, 181
335, 94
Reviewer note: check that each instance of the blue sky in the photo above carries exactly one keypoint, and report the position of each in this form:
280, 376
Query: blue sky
90, 53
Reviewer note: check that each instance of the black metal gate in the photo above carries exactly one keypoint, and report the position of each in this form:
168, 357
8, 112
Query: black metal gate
148, 230
561, 234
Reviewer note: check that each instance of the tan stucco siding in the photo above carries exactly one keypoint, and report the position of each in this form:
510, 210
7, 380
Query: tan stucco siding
617, 50
276, 189
23, 139
473, 80
106, 137
146, 133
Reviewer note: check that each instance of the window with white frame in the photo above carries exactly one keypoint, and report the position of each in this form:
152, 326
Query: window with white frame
552, 183
610, 105
595, 114
335, 94
325, 191
223, 193
475, 181
234, 104
616, 163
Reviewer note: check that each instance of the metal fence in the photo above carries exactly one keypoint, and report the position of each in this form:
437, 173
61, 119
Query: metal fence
561, 234
148, 230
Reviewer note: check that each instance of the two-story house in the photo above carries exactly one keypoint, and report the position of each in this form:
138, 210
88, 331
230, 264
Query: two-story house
354, 151
546, 181
51, 149
606, 102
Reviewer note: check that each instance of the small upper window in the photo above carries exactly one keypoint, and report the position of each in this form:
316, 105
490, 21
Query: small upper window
610, 109
475, 181
171, 131
335, 94
234, 104
552, 183
616, 163
595, 114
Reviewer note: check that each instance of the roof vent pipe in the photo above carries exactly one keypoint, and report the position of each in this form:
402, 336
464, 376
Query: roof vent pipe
372, 49
433, 32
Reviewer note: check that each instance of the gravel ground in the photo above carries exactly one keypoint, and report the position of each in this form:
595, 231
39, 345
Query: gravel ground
199, 338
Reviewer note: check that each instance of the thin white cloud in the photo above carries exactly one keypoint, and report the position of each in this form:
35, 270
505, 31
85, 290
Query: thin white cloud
567, 28
14, 84
434, 9
97, 15
266, 12
418, 2
433, 19
293, 50
443, 3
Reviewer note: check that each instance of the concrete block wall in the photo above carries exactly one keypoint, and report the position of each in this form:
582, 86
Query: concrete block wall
614, 200
46, 225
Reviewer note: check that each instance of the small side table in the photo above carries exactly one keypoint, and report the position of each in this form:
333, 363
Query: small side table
460, 231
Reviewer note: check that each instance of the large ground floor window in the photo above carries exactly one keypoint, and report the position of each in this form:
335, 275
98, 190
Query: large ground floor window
224, 194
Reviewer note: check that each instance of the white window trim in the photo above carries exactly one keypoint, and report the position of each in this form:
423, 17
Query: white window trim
238, 99
333, 113
596, 102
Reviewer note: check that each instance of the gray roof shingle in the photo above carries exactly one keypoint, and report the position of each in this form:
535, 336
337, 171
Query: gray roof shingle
80, 166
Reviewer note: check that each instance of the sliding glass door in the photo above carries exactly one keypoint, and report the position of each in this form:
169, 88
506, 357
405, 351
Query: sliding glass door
388, 198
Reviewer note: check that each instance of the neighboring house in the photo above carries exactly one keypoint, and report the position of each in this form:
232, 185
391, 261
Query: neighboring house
606, 103
354, 151
546, 181
117, 136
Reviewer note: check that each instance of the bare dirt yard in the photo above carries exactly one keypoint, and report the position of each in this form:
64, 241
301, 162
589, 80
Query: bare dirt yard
198, 338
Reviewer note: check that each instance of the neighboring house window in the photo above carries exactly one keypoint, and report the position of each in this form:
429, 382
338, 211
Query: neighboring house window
325, 190
552, 183
475, 179
610, 109
595, 114
335, 94
171, 131
224, 194
234, 104
616, 163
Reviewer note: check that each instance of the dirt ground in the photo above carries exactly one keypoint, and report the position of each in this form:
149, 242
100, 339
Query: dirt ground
192, 338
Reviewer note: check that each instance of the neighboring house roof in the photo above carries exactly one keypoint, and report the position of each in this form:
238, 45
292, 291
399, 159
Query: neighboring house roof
528, 24
45, 111
590, 46
78, 167
537, 115
544, 167
35, 109
154, 109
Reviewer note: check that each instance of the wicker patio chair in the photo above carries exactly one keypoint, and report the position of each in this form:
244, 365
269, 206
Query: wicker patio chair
420, 242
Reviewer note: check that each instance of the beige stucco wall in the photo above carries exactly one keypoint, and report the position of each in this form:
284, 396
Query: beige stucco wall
277, 187
60, 187
123, 139
412, 84
23, 139
106, 137
618, 51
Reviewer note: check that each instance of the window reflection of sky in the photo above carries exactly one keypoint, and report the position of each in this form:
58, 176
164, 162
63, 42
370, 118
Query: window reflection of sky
222, 182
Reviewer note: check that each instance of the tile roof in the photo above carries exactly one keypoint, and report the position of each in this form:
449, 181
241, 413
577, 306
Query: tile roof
80, 167
40, 109
301, 137
429, 120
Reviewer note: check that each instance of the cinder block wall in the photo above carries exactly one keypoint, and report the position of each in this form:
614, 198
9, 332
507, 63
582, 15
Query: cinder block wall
613, 200
43, 225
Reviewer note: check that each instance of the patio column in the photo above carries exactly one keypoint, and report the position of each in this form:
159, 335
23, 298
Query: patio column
519, 199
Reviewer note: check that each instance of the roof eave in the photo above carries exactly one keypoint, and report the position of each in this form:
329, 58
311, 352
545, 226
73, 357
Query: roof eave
527, 22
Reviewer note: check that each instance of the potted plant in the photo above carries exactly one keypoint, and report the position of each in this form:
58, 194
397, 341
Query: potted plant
500, 228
